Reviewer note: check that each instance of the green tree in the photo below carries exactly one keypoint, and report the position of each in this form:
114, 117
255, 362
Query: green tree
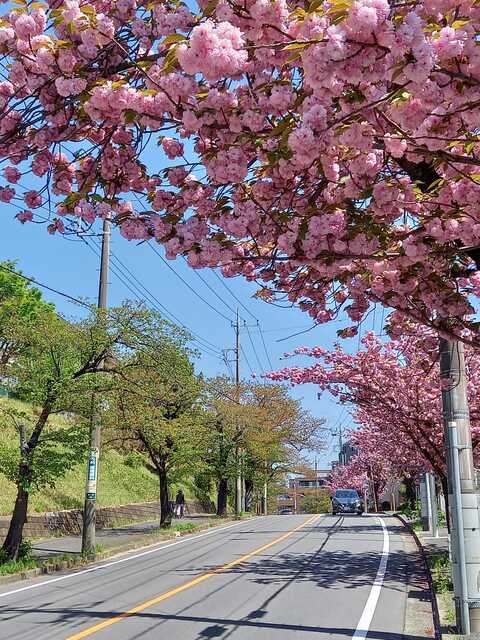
20, 304
156, 411
56, 369
265, 425
318, 502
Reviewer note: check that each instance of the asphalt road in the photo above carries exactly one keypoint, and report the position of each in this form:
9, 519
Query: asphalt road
276, 577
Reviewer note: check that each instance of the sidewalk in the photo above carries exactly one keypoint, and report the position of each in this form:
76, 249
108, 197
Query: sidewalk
435, 550
108, 538
434, 545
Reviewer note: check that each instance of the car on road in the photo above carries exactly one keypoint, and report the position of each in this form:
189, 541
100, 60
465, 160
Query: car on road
286, 512
346, 501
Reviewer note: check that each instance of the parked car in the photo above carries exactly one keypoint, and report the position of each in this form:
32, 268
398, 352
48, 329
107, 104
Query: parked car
346, 501
286, 512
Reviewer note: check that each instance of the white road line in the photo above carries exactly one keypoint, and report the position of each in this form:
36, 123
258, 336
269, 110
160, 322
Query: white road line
365, 621
76, 574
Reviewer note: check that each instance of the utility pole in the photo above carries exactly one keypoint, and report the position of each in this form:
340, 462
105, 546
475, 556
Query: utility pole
340, 444
425, 503
433, 504
239, 480
89, 510
316, 486
462, 491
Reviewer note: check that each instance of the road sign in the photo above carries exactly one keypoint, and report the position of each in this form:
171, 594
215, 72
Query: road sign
92, 474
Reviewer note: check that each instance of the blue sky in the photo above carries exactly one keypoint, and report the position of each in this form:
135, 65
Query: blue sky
72, 267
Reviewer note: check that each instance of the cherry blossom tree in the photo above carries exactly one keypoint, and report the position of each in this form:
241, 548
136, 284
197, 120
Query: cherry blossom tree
392, 389
327, 149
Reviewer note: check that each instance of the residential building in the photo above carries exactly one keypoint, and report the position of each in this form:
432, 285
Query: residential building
300, 487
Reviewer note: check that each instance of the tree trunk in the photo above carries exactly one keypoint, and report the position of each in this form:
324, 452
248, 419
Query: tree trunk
165, 513
248, 494
375, 496
410, 495
222, 497
11, 545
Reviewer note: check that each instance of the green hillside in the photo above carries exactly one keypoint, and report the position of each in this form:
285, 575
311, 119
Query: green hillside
121, 480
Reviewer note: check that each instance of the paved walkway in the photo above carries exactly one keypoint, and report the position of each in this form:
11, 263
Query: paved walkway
434, 545
108, 538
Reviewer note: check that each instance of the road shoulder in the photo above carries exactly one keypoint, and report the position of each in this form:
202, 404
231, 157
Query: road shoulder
419, 618
71, 561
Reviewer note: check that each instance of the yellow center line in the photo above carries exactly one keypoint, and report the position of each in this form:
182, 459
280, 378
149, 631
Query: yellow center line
187, 585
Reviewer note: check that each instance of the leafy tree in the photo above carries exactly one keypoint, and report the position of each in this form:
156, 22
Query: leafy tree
56, 373
265, 425
316, 502
155, 410
20, 304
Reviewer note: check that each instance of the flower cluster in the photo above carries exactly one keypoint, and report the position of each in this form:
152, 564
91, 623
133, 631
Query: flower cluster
329, 151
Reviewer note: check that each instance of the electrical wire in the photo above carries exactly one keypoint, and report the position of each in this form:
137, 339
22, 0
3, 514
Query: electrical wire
253, 348
246, 360
265, 346
188, 285
222, 280
203, 345
199, 275
45, 286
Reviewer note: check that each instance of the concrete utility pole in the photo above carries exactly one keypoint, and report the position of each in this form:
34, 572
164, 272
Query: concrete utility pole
238, 453
462, 490
423, 503
433, 503
89, 510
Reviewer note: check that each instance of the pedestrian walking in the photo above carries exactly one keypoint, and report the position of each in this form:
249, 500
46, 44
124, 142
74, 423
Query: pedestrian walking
179, 504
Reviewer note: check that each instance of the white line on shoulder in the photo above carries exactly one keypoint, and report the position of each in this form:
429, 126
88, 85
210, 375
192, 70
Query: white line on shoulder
365, 621
75, 574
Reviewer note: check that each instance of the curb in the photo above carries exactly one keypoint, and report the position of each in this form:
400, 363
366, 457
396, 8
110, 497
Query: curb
433, 598
77, 561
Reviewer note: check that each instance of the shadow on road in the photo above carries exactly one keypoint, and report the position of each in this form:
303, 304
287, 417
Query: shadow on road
324, 568
218, 627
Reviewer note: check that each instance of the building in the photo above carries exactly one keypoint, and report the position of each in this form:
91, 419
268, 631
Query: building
299, 488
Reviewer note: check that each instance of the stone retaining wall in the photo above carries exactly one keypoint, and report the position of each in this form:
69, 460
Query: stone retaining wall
63, 523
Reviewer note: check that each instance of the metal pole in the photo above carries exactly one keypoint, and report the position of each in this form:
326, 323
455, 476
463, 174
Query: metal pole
462, 595
89, 510
265, 498
465, 529
425, 502
433, 504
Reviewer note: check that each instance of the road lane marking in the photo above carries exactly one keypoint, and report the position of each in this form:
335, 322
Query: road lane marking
187, 585
75, 574
365, 621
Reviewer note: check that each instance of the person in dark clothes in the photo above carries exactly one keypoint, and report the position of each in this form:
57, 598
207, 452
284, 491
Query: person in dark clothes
179, 504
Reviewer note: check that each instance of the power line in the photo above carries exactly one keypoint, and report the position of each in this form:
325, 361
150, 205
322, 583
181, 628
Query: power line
195, 271
45, 286
247, 361
265, 346
188, 285
222, 280
253, 347
134, 289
